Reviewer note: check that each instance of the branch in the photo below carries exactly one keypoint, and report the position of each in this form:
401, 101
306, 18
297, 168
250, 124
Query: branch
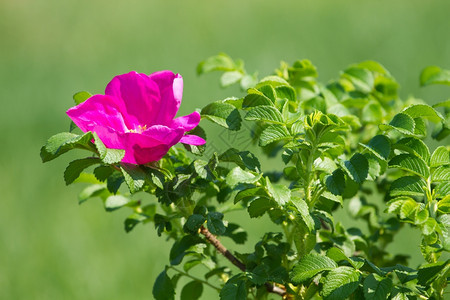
271, 288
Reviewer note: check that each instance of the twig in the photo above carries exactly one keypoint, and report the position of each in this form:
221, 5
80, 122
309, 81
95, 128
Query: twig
272, 288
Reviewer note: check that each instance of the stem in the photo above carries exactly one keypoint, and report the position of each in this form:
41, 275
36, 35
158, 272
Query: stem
271, 288
195, 278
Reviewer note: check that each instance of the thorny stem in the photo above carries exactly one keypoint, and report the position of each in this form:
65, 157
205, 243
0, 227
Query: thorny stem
272, 288
195, 278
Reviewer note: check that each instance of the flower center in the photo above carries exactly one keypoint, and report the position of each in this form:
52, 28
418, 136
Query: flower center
139, 129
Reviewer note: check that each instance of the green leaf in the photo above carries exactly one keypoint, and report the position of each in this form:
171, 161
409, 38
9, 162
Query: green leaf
309, 265
443, 189
234, 289
180, 248
414, 146
280, 193
256, 98
75, 168
192, 290
273, 133
63, 142
408, 186
244, 159
410, 163
229, 78
193, 223
103, 172
423, 111
380, 146
401, 122
440, 156
361, 78
376, 287
237, 175
303, 209
338, 255
249, 194
220, 62
286, 92
163, 288
215, 223
259, 206
441, 173
427, 273
265, 113
91, 191
80, 97
114, 202
108, 156
134, 176
340, 283
336, 182
434, 75
357, 167
223, 114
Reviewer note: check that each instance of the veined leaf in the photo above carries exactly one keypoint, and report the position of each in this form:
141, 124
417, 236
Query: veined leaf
280, 193
134, 176
220, 62
237, 175
251, 193
408, 208
234, 289
434, 75
377, 287
441, 173
361, 78
114, 202
357, 167
336, 182
265, 113
423, 111
440, 156
108, 156
408, 186
243, 159
256, 98
401, 122
230, 77
429, 272
75, 168
259, 206
223, 114
309, 265
340, 283
286, 92
410, 163
272, 134
65, 141
414, 146
380, 146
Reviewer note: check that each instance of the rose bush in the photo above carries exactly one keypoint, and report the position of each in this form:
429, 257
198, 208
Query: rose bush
136, 114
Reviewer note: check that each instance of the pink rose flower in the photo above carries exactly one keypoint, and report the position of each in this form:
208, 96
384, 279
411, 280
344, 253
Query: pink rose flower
136, 114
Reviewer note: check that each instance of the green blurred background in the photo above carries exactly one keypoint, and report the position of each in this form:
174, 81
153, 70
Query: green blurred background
52, 248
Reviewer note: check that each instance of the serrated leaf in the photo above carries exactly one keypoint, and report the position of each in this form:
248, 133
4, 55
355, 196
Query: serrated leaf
280, 193
361, 78
75, 168
244, 159
256, 98
248, 194
215, 223
230, 77
62, 142
191, 291
286, 92
163, 288
441, 173
303, 209
434, 75
336, 182
414, 146
265, 113
259, 206
423, 111
440, 156
108, 156
180, 247
357, 167
193, 223
103, 172
114, 202
429, 272
134, 177
340, 283
237, 175
380, 146
401, 122
410, 163
376, 287
408, 186
309, 265
273, 133
443, 189
80, 97
223, 114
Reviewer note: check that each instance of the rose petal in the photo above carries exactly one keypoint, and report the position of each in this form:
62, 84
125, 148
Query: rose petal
171, 91
188, 122
137, 97
192, 140
98, 110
